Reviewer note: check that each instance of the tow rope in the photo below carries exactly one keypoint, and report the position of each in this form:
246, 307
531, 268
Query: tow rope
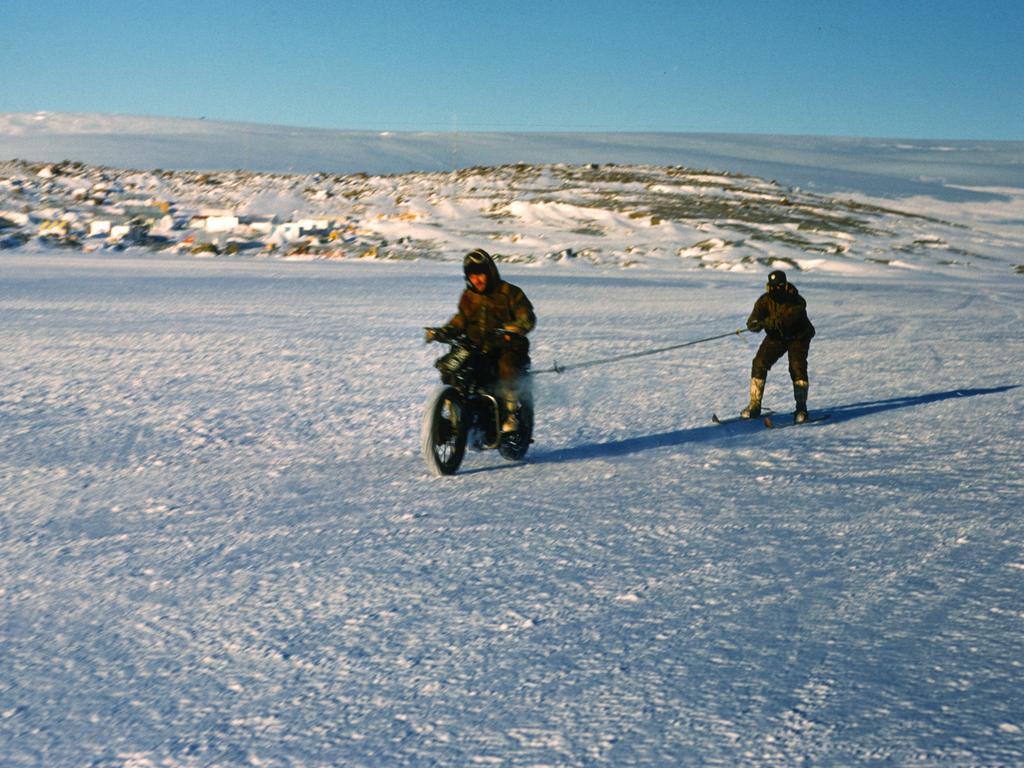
556, 368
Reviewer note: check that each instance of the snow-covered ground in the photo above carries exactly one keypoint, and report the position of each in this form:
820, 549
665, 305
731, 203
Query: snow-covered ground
220, 546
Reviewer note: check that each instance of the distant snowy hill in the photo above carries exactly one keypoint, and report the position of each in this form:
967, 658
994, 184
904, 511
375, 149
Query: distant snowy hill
880, 167
625, 216
687, 201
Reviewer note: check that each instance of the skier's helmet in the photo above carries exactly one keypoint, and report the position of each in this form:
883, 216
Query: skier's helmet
777, 280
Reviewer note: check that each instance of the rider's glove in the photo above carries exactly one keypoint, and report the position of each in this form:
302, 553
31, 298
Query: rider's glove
429, 335
755, 325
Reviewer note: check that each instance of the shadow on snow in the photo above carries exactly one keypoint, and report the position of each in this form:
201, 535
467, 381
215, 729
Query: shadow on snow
714, 432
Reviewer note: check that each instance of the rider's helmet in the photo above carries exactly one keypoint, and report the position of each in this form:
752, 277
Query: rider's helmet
777, 280
479, 262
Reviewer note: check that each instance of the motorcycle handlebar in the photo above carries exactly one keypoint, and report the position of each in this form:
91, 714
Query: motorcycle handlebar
440, 335
445, 337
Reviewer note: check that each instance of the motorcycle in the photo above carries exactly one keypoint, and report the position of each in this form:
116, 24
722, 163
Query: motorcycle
465, 409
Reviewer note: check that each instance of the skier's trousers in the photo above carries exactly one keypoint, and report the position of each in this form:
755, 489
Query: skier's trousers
772, 349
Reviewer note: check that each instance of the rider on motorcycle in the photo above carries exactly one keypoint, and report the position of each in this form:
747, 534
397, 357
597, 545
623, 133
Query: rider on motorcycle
495, 316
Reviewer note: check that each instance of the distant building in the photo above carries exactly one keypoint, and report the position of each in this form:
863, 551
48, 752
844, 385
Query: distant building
221, 223
54, 228
131, 232
257, 225
16, 218
315, 225
100, 227
148, 213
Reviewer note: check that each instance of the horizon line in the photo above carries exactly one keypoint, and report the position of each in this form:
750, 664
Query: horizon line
512, 129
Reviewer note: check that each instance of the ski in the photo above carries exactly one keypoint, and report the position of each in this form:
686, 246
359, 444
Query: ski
768, 422
733, 419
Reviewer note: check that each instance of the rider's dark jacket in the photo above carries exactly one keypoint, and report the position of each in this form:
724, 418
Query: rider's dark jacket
500, 304
782, 314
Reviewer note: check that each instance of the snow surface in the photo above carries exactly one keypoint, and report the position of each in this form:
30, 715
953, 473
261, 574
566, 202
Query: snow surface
220, 546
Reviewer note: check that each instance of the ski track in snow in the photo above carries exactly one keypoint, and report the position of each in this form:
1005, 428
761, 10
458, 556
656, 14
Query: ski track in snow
219, 545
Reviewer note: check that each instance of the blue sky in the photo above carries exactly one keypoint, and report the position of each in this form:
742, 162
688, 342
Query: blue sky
901, 68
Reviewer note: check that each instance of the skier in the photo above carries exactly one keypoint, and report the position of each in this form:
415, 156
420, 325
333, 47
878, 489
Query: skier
781, 313
495, 316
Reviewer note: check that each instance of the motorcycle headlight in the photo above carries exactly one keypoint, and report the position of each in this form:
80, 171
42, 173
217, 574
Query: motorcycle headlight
454, 360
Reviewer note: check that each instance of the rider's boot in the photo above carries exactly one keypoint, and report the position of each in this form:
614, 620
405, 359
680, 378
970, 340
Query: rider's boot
753, 409
511, 423
800, 396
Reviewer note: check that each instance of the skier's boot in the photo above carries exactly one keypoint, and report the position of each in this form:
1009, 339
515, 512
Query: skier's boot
511, 423
800, 396
753, 409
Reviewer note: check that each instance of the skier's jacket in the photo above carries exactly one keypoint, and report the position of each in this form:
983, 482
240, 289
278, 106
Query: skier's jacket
500, 304
782, 314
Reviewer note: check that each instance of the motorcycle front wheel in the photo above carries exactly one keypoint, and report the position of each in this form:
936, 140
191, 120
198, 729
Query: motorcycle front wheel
443, 431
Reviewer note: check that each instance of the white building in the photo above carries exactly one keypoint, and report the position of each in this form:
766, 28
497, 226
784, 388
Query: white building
221, 223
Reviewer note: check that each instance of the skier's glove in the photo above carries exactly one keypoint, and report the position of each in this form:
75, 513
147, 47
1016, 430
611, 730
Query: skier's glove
430, 334
755, 325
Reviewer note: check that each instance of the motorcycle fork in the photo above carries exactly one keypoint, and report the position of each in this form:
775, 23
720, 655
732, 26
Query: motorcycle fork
492, 435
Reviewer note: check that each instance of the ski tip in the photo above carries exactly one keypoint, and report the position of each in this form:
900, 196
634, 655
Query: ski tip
714, 418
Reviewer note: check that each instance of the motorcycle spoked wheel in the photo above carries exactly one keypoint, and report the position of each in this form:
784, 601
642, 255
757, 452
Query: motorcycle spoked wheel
443, 431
